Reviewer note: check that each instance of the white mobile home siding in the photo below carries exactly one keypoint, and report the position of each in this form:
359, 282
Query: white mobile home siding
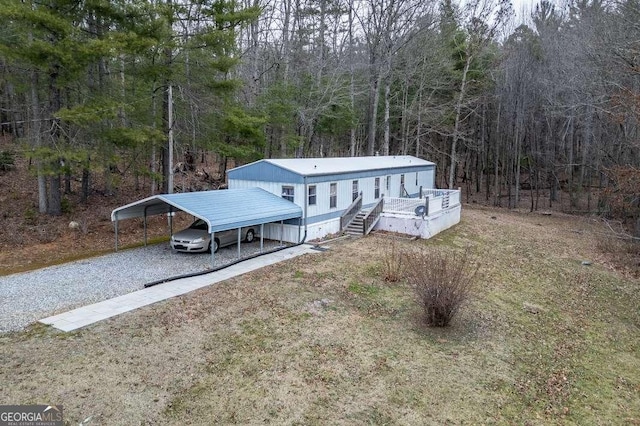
321, 219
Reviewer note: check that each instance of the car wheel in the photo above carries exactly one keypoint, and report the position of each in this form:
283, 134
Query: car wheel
216, 245
250, 236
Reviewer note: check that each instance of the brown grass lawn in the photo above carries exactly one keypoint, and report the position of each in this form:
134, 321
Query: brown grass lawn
323, 339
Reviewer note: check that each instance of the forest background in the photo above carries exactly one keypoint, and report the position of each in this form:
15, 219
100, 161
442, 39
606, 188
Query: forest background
96, 92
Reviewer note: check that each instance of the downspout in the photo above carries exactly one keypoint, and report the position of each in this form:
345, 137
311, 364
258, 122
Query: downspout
145, 225
306, 202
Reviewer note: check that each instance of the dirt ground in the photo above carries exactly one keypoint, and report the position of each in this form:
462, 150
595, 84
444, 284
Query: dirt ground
30, 240
323, 339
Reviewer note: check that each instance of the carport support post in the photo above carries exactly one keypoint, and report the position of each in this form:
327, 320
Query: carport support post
145, 226
281, 231
170, 222
116, 231
213, 250
261, 236
239, 236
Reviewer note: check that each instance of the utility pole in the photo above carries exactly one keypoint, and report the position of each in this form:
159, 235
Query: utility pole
170, 125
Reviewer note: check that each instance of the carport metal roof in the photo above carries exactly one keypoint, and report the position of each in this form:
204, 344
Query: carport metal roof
221, 210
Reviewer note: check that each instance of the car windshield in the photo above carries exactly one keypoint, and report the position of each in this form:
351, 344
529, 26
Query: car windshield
199, 224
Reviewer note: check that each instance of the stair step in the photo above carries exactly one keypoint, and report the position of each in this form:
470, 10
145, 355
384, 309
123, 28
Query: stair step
355, 226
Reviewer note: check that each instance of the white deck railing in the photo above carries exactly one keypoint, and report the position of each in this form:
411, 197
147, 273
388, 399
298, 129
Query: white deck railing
401, 205
437, 199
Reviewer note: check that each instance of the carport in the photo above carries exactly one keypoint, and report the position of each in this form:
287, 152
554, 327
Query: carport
221, 210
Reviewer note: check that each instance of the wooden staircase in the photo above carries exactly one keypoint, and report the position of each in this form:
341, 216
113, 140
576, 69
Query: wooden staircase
356, 226
360, 222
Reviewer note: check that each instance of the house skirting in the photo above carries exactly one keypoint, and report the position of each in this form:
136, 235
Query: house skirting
289, 233
417, 226
409, 224
319, 230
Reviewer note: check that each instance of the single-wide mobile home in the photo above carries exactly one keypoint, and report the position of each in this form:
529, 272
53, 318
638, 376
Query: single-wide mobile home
325, 187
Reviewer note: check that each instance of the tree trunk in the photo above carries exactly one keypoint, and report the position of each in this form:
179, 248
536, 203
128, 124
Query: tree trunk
55, 103
419, 125
153, 166
35, 127
167, 101
404, 121
480, 158
254, 83
374, 98
55, 200
496, 159
166, 167
67, 182
86, 184
517, 164
352, 91
458, 123
387, 107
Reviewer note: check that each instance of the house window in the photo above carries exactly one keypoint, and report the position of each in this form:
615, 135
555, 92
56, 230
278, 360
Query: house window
287, 193
376, 189
333, 195
312, 195
416, 178
354, 190
388, 183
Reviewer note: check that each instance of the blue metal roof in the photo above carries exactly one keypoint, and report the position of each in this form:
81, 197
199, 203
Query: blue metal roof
223, 209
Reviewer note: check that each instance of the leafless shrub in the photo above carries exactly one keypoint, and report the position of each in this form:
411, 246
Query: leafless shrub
84, 226
622, 199
624, 254
443, 281
7, 161
393, 262
80, 227
103, 214
618, 245
47, 233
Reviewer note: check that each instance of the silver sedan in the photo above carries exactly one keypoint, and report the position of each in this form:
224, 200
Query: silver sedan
196, 238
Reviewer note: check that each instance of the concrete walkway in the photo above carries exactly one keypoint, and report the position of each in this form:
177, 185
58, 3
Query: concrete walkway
77, 318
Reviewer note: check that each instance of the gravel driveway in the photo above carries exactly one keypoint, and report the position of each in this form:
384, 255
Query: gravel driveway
29, 296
